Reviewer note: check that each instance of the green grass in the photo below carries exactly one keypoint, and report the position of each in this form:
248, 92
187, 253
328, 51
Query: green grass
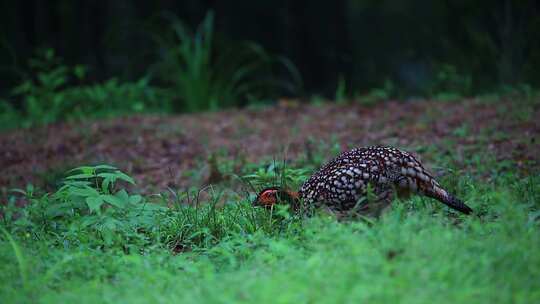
60, 248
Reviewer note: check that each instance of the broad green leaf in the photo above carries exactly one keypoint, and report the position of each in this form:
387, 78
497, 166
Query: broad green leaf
111, 223
83, 169
94, 203
108, 179
112, 175
107, 236
125, 177
122, 195
105, 167
77, 183
135, 199
85, 192
105, 185
80, 176
113, 200
89, 220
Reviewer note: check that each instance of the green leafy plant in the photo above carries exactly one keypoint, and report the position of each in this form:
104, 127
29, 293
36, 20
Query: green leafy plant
376, 95
449, 84
57, 93
113, 97
278, 174
88, 207
204, 74
9, 116
94, 186
42, 98
93, 208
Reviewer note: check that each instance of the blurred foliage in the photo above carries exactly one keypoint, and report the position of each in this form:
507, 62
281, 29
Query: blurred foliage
277, 174
448, 84
161, 57
378, 94
42, 92
193, 73
204, 74
53, 91
363, 41
415, 40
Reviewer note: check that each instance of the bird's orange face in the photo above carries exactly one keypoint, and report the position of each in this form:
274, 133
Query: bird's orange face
267, 197
271, 196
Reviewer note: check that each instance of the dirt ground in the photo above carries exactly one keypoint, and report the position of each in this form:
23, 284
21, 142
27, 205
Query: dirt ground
159, 150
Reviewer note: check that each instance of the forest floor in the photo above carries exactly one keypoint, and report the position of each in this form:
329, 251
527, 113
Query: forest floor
163, 151
152, 242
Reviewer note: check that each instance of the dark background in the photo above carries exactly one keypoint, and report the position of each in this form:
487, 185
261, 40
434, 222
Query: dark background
365, 42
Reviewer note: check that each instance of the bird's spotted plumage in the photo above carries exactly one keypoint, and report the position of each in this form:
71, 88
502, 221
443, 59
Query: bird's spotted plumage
343, 182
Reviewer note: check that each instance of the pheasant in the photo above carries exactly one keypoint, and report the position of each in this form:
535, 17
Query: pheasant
342, 184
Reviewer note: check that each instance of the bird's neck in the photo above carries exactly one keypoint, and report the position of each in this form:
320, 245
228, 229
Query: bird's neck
293, 194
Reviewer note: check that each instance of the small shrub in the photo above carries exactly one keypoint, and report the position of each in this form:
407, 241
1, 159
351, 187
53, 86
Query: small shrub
449, 84
278, 174
87, 209
57, 93
114, 97
94, 209
378, 94
9, 117
206, 75
42, 98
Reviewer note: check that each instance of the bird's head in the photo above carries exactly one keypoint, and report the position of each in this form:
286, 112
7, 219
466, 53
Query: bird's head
269, 197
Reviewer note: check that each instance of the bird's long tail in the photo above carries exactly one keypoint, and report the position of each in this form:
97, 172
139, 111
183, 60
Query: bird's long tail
448, 199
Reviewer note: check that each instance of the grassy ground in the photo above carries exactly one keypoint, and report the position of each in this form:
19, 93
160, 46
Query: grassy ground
98, 241
418, 252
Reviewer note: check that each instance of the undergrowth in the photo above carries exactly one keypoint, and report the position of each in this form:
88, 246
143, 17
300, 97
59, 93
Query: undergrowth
54, 91
204, 73
193, 71
95, 240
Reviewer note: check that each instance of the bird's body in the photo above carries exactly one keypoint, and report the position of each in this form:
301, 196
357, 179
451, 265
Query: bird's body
343, 183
